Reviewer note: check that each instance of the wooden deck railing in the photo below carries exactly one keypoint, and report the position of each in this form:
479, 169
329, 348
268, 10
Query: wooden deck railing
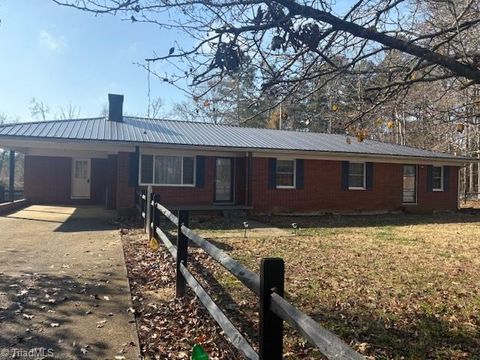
269, 287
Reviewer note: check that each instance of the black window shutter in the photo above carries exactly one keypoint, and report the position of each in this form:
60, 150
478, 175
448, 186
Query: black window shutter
446, 178
272, 173
133, 169
369, 175
345, 169
300, 168
200, 172
430, 178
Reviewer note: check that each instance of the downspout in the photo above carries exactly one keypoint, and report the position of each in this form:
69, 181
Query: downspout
11, 187
248, 182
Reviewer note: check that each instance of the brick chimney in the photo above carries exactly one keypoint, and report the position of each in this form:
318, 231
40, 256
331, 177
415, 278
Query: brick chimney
115, 107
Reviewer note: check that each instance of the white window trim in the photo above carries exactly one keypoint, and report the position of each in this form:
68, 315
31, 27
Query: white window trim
294, 186
153, 169
364, 187
441, 188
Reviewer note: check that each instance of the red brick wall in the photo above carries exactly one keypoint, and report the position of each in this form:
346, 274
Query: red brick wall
430, 201
47, 180
322, 190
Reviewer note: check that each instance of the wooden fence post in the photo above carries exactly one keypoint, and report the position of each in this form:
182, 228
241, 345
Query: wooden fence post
272, 277
182, 252
148, 208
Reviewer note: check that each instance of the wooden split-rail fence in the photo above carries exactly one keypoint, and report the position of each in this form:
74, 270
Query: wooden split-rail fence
269, 287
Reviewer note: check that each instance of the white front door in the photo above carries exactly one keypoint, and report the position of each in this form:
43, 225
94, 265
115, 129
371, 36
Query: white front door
81, 179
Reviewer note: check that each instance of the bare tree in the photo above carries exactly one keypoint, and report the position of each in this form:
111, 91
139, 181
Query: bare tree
38, 109
155, 108
68, 112
3, 118
291, 43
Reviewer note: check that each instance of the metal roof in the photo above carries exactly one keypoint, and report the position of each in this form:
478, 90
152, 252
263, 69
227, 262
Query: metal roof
159, 131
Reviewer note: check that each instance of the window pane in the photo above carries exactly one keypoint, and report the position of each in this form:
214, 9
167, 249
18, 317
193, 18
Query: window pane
356, 181
356, 169
437, 177
285, 172
284, 179
81, 169
285, 166
188, 166
437, 172
356, 177
437, 183
146, 176
168, 170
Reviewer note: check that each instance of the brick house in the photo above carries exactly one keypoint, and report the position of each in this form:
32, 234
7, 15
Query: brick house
103, 161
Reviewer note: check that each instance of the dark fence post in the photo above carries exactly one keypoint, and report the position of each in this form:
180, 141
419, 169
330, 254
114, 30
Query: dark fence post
182, 252
272, 276
2, 194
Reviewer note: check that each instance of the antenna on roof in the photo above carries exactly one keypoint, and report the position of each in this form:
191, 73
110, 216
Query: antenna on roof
148, 90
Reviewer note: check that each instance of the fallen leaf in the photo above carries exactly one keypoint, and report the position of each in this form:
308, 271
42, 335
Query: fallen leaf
101, 324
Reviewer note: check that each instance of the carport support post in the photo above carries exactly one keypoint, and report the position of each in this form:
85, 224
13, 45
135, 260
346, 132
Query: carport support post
148, 211
272, 278
11, 188
182, 252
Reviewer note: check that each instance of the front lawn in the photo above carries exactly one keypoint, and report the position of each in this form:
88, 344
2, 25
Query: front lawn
393, 286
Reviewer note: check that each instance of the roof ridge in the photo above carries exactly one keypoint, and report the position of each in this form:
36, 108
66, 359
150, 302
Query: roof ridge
187, 121
229, 125
49, 121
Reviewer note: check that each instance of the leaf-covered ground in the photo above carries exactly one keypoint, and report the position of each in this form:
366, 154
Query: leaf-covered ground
394, 287
167, 327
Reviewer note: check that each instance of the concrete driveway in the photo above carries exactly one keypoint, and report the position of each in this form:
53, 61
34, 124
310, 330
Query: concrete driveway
63, 286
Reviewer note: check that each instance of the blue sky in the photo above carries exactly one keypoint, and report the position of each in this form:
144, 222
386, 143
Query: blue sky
63, 56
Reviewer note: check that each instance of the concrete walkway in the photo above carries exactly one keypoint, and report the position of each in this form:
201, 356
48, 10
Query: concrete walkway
63, 286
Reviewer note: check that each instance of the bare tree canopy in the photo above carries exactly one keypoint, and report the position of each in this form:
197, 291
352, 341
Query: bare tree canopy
390, 45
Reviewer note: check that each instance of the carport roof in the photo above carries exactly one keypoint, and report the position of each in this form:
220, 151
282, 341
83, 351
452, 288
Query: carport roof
172, 132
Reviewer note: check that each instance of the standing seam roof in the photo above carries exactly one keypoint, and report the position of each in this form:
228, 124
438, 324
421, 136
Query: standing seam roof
158, 131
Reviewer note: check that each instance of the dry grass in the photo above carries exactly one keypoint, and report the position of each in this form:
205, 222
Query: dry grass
401, 287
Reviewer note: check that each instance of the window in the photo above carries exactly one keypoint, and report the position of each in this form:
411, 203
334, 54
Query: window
356, 176
167, 170
409, 184
437, 178
285, 175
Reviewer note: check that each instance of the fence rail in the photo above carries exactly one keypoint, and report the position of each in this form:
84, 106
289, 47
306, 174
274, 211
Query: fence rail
268, 286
